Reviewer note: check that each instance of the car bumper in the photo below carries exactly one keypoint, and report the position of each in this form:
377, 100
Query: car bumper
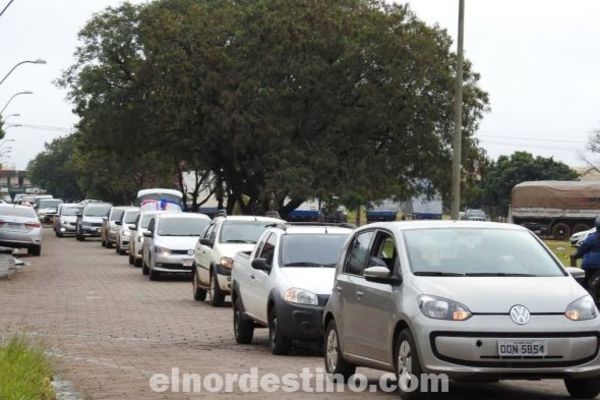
90, 231
224, 279
471, 352
300, 322
67, 228
179, 264
112, 236
21, 239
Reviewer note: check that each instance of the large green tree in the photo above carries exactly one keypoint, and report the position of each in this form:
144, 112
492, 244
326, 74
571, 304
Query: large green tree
503, 174
53, 169
279, 100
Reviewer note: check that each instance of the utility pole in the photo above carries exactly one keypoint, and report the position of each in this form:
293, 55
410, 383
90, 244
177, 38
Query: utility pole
458, 100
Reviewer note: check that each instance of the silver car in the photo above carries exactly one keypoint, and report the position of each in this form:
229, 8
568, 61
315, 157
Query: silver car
169, 243
472, 300
65, 221
20, 228
89, 223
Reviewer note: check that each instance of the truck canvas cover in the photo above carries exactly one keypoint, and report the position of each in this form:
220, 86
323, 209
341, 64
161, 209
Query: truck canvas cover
556, 199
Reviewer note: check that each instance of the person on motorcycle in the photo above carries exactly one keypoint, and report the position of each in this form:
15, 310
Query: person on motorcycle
589, 250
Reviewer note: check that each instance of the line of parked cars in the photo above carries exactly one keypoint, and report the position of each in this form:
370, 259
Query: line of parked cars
470, 299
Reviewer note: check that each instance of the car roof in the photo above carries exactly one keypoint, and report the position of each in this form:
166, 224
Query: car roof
247, 218
6, 206
184, 215
410, 225
71, 205
315, 229
98, 205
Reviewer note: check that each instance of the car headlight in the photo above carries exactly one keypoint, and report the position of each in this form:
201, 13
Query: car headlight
162, 251
300, 296
226, 262
582, 309
441, 308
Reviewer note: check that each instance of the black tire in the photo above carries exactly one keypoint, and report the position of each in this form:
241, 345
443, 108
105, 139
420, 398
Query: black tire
217, 297
587, 388
407, 362
280, 345
145, 269
243, 328
335, 364
80, 238
580, 228
35, 251
561, 231
122, 252
137, 262
198, 293
58, 234
103, 243
109, 244
131, 259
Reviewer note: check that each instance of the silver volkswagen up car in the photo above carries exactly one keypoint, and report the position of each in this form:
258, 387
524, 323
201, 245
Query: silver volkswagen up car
470, 300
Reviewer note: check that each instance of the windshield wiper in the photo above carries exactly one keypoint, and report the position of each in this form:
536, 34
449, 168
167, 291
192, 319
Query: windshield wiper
509, 274
437, 273
239, 241
307, 264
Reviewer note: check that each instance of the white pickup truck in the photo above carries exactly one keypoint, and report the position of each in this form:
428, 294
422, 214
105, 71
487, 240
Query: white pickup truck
285, 282
222, 239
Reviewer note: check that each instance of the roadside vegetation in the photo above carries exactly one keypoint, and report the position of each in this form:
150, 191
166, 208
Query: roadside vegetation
25, 371
562, 249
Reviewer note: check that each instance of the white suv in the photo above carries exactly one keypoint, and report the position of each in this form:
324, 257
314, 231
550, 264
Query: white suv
223, 238
285, 282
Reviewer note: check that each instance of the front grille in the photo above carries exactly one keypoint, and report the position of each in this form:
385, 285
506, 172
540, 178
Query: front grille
180, 252
96, 224
173, 266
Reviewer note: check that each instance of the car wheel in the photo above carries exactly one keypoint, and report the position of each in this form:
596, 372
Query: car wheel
335, 365
103, 243
109, 244
131, 259
217, 297
198, 293
408, 366
138, 262
58, 234
145, 269
587, 388
561, 231
243, 327
280, 345
80, 238
35, 251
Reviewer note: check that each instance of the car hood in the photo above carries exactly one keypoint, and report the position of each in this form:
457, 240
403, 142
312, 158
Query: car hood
92, 219
230, 250
499, 294
177, 242
316, 280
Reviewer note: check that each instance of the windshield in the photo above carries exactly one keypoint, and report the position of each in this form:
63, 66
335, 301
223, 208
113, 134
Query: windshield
181, 226
242, 231
131, 217
478, 252
116, 215
54, 203
146, 220
70, 211
96, 211
18, 212
310, 250
475, 213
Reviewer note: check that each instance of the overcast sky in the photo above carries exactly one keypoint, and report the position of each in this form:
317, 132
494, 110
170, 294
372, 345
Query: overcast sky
539, 60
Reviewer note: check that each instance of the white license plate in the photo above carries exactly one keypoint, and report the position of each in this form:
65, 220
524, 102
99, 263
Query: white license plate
516, 348
188, 263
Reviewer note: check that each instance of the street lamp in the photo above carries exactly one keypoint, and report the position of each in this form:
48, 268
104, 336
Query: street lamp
15, 95
38, 61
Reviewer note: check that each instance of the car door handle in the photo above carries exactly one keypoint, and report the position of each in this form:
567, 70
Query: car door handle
359, 294
338, 289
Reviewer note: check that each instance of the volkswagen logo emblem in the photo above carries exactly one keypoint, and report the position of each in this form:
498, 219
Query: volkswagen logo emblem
520, 314
191, 252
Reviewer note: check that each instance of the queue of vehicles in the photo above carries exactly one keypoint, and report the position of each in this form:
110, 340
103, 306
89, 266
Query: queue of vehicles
470, 299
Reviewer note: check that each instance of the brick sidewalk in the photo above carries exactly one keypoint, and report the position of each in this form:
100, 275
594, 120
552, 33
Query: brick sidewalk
110, 330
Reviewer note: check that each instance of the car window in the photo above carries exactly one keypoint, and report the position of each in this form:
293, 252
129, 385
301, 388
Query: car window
117, 214
151, 224
383, 253
131, 217
268, 250
146, 221
358, 253
210, 232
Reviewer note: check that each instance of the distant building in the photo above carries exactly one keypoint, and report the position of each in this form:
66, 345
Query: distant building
14, 181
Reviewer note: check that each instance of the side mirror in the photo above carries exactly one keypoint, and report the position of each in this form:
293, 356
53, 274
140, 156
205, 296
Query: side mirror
147, 234
379, 274
118, 223
132, 227
261, 265
206, 242
576, 273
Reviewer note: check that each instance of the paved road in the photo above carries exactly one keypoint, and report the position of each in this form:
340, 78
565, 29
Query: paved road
110, 330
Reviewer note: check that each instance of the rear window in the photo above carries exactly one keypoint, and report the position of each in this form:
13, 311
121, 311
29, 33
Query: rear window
18, 212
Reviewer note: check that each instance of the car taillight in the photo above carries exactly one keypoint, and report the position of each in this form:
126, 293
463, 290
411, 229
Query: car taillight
33, 225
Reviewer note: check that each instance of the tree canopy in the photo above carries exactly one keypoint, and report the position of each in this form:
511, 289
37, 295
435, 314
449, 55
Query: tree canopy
503, 174
280, 101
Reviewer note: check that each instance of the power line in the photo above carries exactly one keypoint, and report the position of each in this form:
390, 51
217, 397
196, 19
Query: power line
529, 134
532, 139
531, 146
